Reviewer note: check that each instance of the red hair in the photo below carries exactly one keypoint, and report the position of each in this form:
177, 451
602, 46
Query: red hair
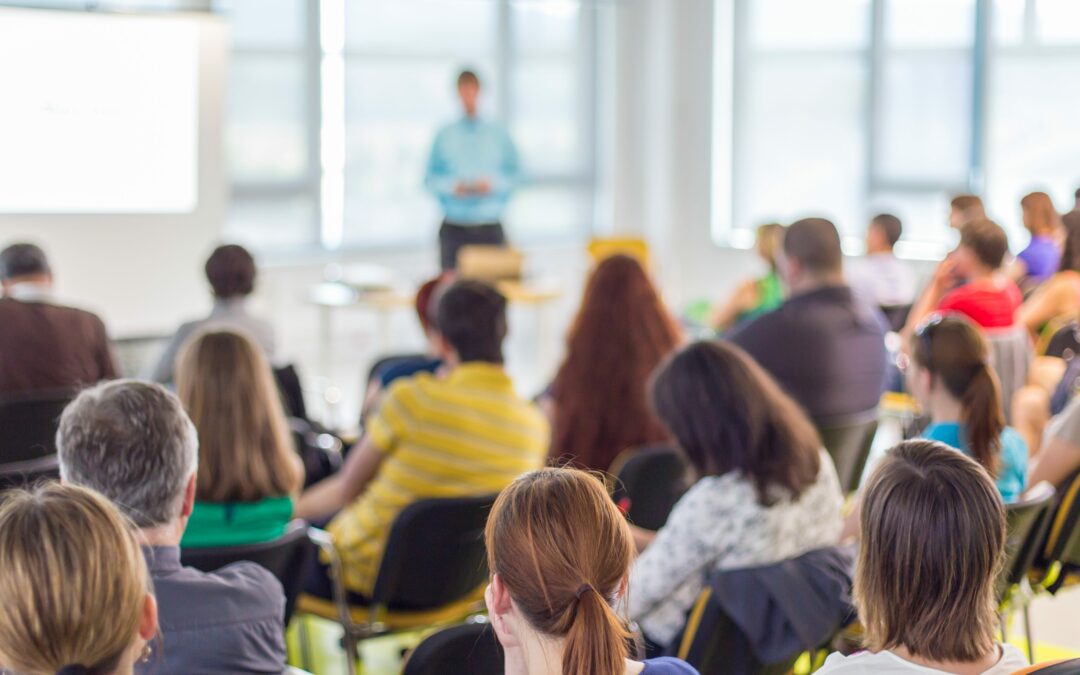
621, 333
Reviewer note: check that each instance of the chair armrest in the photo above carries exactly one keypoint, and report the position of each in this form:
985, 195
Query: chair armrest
325, 542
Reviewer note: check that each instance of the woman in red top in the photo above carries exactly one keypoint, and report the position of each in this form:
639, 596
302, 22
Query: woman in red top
986, 296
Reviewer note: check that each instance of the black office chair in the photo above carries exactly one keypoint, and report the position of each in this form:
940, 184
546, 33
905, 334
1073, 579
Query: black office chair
1066, 667
848, 441
803, 615
28, 424
321, 452
287, 558
648, 482
896, 316
1027, 521
29, 473
393, 360
433, 570
292, 393
1065, 342
1059, 560
467, 648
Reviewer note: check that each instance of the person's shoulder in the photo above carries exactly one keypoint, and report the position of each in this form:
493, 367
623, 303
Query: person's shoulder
243, 589
667, 665
867, 662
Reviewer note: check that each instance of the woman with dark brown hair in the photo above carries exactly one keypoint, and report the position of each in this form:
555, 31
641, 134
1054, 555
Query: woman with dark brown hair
1060, 295
559, 552
765, 490
933, 542
597, 404
951, 378
249, 470
1038, 262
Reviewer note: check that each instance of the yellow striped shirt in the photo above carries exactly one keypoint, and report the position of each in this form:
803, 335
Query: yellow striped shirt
469, 434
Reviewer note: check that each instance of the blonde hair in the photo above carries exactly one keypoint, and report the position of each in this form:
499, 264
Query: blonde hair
563, 551
769, 240
246, 451
74, 582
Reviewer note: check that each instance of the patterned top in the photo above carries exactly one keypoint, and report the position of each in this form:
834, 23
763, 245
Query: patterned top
719, 524
466, 435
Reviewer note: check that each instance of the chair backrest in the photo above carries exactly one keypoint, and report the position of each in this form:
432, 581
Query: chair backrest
29, 472
1026, 522
896, 316
1064, 343
1066, 667
468, 648
385, 362
287, 558
28, 424
435, 554
1011, 353
848, 441
648, 482
292, 393
1062, 541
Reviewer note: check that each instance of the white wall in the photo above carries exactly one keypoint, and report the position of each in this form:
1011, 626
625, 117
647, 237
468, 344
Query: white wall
142, 272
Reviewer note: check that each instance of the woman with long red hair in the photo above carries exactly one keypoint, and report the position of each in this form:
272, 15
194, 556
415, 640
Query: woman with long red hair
597, 403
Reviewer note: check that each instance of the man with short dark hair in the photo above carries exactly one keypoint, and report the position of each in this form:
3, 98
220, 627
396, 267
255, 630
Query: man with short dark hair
231, 272
132, 442
44, 345
468, 433
472, 170
824, 346
880, 278
965, 208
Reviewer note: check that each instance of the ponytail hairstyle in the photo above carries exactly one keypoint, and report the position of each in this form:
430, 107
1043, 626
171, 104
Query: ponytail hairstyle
955, 353
563, 551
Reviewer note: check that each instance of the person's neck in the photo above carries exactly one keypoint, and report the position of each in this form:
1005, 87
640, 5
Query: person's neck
879, 250
945, 409
818, 282
982, 274
959, 667
36, 283
165, 535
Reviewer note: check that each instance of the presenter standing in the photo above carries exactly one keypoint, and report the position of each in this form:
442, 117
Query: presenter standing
473, 170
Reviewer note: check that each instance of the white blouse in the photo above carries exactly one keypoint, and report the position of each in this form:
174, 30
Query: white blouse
719, 524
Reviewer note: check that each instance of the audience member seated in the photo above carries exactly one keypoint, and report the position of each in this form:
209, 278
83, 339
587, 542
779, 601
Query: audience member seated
72, 604
1059, 456
466, 434
881, 278
824, 346
955, 386
431, 363
755, 297
598, 405
231, 272
766, 489
964, 209
1042, 257
559, 552
1059, 296
249, 471
133, 443
933, 540
45, 346
986, 295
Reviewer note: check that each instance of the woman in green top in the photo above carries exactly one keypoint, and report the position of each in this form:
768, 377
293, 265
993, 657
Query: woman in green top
755, 297
249, 472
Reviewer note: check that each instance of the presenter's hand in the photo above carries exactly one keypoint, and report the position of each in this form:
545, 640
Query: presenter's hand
462, 189
482, 186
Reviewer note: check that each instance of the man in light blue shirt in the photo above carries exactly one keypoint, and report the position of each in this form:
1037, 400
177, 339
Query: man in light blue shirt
473, 170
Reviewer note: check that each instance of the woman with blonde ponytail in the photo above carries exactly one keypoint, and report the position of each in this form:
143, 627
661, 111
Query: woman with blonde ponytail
559, 552
951, 378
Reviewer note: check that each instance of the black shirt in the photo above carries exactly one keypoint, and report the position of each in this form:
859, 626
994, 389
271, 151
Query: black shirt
826, 349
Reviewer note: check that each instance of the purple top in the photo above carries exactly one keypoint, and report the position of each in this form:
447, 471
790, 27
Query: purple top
1042, 258
665, 665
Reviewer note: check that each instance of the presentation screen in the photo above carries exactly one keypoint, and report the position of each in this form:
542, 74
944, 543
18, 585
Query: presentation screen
99, 113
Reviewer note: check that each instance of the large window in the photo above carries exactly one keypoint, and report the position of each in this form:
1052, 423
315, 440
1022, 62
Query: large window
334, 104
849, 107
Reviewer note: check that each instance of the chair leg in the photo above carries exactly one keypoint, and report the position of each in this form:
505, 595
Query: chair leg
1028, 635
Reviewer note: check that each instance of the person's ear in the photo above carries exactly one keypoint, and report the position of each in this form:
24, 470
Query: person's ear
148, 621
500, 597
189, 496
620, 592
499, 607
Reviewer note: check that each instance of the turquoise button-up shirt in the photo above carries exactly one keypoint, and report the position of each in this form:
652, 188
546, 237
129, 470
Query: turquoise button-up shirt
469, 150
